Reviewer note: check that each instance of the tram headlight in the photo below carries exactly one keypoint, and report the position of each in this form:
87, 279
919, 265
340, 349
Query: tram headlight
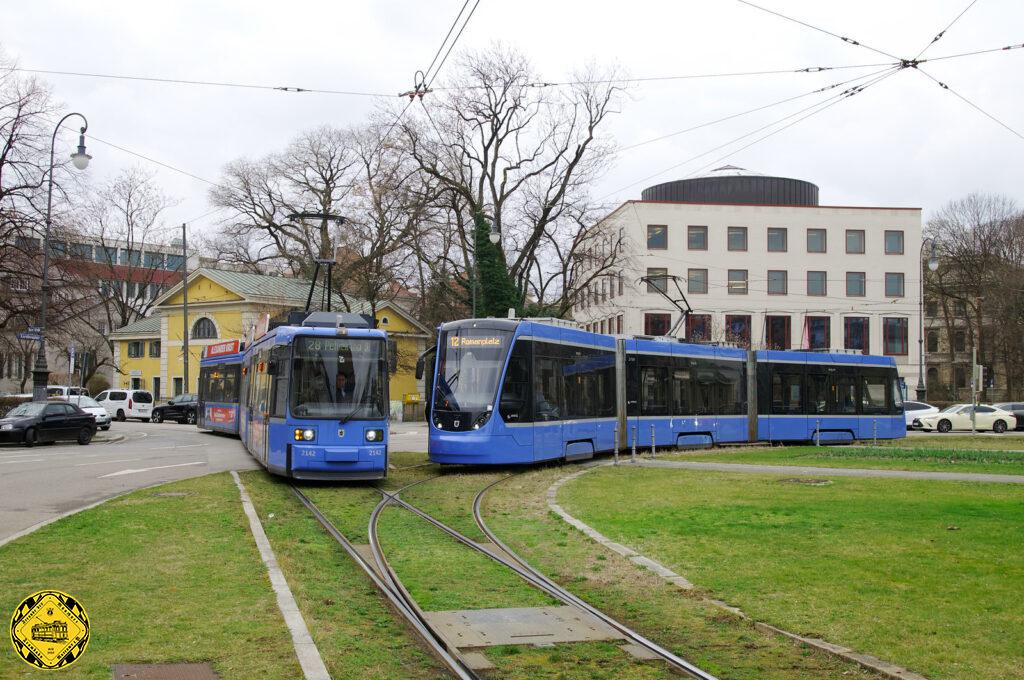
375, 435
304, 434
481, 420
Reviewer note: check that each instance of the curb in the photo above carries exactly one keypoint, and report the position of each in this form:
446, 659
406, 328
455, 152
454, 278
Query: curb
867, 661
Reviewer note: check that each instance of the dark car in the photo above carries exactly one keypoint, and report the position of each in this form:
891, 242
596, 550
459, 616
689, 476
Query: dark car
37, 422
1016, 408
181, 408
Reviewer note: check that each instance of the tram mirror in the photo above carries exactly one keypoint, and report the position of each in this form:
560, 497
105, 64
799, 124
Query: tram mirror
272, 366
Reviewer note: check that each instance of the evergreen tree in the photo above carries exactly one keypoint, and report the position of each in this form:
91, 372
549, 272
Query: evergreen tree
496, 292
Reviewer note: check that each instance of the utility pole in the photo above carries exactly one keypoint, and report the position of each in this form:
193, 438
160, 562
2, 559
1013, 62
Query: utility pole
974, 389
184, 310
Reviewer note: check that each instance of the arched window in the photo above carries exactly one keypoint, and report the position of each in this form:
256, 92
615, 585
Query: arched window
932, 343
203, 329
933, 375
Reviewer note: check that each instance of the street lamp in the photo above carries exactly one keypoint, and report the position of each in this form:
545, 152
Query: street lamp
80, 159
933, 265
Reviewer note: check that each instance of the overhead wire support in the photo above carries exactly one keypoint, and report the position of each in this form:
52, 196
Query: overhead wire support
967, 101
845, 39
941, 33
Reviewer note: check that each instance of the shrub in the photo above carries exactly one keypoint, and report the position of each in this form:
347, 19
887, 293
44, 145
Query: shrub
97, 384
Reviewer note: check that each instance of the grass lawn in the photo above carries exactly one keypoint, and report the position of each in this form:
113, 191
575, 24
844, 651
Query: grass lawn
924, 456
163, 579
924, 574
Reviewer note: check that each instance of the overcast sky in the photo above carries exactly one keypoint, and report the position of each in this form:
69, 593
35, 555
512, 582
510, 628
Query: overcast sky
903, 142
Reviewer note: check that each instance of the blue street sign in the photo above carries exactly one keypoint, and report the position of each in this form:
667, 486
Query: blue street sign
30, 336
35, 329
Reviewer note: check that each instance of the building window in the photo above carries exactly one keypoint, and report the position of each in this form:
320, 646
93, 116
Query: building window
778, 282
81, 251
817, 283
698, 327
621, 284
737, 282
737, 238
657, 323
960, 376
153, 260
777, 332
657, 280
777, 240
204, 329
959, 341
893, 242
154, 348
618, 324
894, 336
697, 238
737, 329
106, 254
135, 349
657, 237
933, 375
173, 262
960, 309
818, 332
932, 342
855, 284
855, 241
58, 250
894, 284
855, 333
817, 241
154, 290
697, 281
931, 308
131, 257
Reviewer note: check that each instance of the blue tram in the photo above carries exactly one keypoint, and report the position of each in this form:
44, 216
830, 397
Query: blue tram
521, 391
313, 399
219, 379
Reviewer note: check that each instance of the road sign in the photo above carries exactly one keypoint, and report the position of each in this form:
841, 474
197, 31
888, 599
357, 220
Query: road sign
38, 330
30, 336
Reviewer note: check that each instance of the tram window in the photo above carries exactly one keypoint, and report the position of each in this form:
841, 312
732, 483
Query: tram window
897, 397
786, 389
654, 391
589, 386
706, 392
231, 383
873, 389
682, 385
279, 390
844, 392
817, 393
730, 388
547, 388
514, 405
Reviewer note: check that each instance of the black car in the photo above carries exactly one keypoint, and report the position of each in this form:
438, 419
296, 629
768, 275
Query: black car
37, 422
181, 408
1016, 408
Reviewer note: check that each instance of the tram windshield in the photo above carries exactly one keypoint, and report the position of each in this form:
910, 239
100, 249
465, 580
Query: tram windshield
340, 378
469, 368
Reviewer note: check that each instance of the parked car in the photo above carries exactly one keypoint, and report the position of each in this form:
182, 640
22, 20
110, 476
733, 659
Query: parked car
37, 422
65, 391
93, 407
958, 417
1016, 408
915, 409
181, 408
125, 404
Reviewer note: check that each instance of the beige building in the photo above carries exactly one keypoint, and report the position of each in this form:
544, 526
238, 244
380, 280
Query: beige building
763, 265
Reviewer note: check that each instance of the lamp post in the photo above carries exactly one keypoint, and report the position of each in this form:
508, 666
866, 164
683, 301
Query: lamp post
933, 264
80, 159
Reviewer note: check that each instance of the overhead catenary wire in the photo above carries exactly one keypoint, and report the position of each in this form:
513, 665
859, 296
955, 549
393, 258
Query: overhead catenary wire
941, 33
1005, 48
454, 41
445, 41
844, 38
970, 103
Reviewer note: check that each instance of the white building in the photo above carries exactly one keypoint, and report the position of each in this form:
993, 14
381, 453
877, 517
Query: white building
765, 266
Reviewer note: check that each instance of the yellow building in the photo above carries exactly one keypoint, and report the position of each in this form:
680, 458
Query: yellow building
222, 305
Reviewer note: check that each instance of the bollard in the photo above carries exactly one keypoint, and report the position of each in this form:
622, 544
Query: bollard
616, 449
652, 440
817, 432
874, 432
632, 456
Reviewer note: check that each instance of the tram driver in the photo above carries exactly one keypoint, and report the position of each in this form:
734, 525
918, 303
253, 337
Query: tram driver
344, 387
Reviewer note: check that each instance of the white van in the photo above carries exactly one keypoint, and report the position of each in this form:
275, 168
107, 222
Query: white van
64, 391
124, 404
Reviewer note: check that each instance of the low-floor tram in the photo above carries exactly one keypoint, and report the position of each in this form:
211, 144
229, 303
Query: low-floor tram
506, 391
220, 371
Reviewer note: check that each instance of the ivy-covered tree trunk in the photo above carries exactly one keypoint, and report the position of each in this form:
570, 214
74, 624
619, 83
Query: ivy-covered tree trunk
496, 292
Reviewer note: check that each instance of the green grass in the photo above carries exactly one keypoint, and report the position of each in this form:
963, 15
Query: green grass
923, 574
356, 632
163, 579
884, 457
994, 442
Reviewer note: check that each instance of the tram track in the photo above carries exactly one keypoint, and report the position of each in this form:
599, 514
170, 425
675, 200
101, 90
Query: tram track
388, 582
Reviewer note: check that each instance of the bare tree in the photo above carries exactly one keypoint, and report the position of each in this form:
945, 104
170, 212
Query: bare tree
523, 157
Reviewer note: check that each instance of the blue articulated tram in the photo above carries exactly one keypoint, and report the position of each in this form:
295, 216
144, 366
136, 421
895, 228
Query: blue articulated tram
507, 391
313, 398
220, 370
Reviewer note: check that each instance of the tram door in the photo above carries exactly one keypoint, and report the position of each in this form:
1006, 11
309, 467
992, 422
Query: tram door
548, 403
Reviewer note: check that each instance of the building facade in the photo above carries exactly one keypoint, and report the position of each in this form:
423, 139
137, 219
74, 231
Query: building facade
149, 354
763, 266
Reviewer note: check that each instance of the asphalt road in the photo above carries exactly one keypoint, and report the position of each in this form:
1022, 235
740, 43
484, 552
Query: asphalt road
47, 481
